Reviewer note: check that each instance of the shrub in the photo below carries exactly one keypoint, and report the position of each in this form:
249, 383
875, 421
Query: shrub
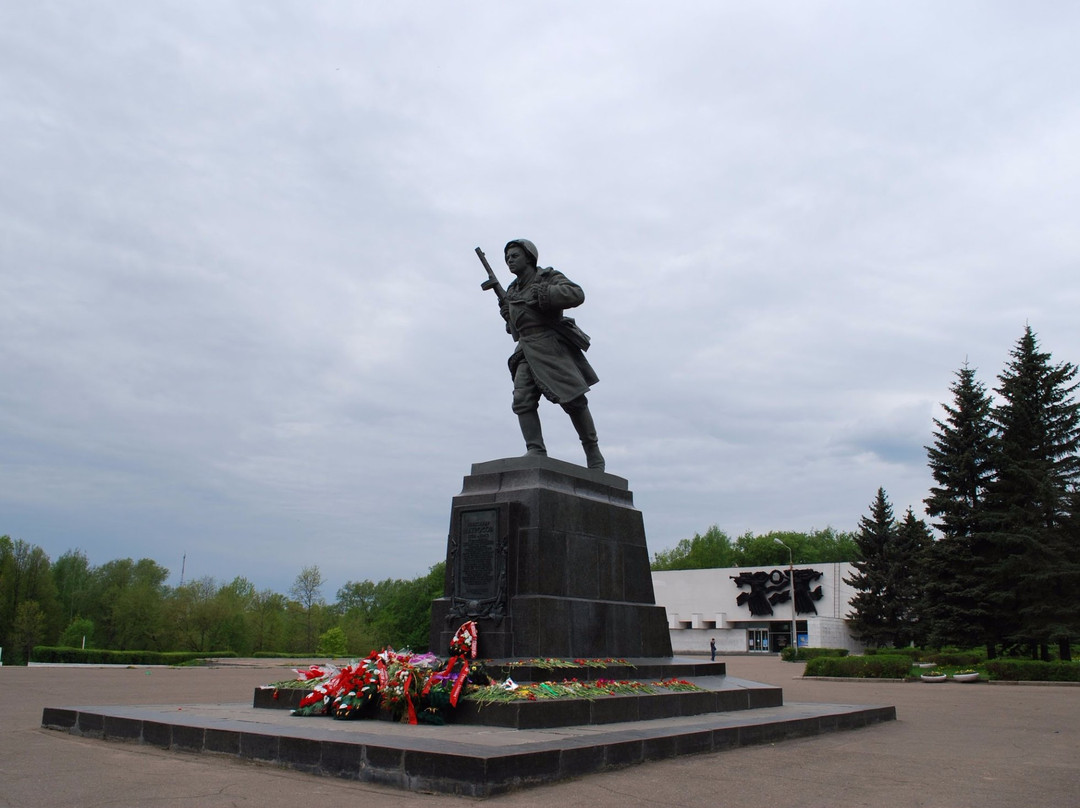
1030, 670
962, 659
279, 655
101, 656
874, 666
914, 654
791, 654
910, 652
332, 643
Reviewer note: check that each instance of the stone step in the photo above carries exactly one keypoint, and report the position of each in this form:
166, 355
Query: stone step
465, 760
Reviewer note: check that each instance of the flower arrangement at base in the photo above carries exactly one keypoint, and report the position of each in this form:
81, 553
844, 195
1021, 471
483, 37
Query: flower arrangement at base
407, 687
572, 689
550, 663
416, 688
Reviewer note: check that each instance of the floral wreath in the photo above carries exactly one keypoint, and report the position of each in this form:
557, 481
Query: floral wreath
463, 643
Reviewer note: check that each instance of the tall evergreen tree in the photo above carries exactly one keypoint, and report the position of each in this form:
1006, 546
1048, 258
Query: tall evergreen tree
1037, 430
960, 459
961, 462
871, 618
908, 566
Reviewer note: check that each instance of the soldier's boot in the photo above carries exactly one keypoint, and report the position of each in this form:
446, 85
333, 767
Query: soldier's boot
533, 434
586, 430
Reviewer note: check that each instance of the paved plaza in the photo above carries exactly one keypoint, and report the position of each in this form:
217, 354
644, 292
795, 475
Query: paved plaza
953, 745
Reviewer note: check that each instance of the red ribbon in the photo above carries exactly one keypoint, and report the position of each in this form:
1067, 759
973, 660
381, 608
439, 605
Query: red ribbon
462, 676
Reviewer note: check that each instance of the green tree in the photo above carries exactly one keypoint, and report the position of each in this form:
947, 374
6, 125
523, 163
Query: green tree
716, 550
403, 612
876, 608
1033, 556
961, 458
26, 575
356, 606
9, 599
71, 572
197, 615
127, 604
266, 622
909, 562
28, 628
332, 643
307, 593
236, 600
79, 630
701, 552
961, 463
815, 547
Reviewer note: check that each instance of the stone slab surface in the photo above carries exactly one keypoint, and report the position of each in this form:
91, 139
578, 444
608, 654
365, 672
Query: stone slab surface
465, 760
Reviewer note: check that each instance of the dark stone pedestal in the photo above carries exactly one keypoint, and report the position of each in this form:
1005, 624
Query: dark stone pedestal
550, 560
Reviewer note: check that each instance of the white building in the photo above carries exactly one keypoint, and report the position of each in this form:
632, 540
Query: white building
749, 609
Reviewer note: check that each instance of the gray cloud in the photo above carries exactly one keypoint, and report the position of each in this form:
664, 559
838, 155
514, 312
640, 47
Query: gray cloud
242, 318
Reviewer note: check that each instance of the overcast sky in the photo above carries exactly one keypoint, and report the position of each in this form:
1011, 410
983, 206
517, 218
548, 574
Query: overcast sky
241, 316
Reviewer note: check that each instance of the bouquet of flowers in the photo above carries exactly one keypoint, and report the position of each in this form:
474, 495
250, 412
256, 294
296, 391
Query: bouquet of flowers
410, 687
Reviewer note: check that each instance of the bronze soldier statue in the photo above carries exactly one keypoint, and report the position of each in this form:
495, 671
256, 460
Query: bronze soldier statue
549, 358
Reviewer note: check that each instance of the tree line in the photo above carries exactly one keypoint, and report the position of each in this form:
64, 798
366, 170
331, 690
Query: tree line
125, 605
1004, 571
716, 549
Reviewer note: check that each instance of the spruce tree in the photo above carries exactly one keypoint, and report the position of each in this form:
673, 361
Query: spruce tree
908, 566
961, 462
871, 619
960, 459
1030, 503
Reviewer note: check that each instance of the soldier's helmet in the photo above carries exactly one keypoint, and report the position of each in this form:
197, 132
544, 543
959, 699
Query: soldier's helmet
526, 245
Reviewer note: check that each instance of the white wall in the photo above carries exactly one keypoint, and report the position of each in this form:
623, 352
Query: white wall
701, 605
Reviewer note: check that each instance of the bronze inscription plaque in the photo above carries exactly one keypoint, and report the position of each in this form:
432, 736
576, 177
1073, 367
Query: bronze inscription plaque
478, 559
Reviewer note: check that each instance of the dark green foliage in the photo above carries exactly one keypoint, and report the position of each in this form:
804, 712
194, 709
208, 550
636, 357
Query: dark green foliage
911, 652
960, 459
125, 605
1030, 670
1033, 563
791, 654
392, 612
878, 666
887, 576
908, 558
29, 608
126, 601
1006, 569
963, 659
99, 656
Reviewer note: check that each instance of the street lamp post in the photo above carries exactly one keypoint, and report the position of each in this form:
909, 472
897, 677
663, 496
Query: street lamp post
791, 583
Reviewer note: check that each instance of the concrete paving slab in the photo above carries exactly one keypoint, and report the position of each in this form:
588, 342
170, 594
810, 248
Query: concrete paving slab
953, 746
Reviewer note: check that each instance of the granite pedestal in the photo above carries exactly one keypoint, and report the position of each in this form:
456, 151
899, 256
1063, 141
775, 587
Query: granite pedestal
550, 560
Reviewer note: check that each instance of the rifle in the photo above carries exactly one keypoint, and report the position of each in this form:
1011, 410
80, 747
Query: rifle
492, 282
